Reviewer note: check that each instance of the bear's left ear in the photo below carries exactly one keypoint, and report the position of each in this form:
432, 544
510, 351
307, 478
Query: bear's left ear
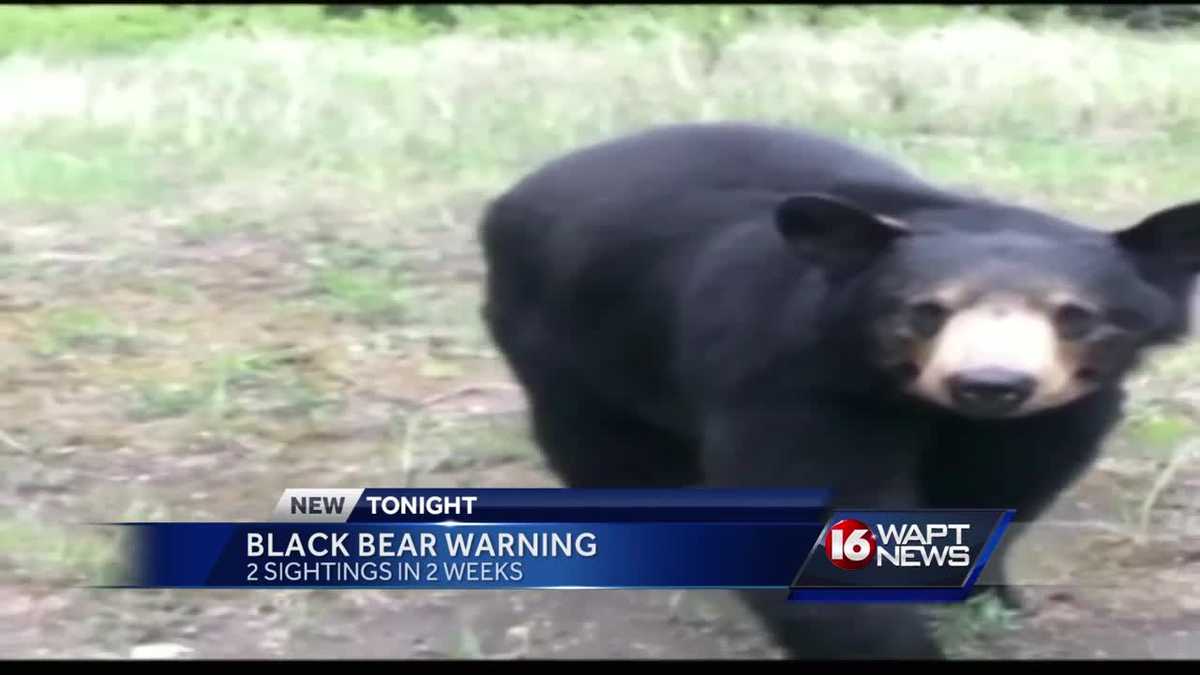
1171, 236
833, 231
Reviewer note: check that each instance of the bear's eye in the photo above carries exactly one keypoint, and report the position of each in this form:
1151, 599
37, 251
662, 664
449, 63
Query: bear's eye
927, 318
1074, 321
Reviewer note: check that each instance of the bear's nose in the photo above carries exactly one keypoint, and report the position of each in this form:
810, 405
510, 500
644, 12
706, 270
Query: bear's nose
990, 391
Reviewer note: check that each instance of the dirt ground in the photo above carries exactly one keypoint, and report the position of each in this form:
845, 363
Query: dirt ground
157, 370
1096, 596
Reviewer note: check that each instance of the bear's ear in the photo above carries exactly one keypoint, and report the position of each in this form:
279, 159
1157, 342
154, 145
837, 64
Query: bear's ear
1170, 236
834, 231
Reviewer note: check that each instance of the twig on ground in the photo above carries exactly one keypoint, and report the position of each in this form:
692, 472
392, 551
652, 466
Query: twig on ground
12, 444
417, 416
678, 69
1181, 456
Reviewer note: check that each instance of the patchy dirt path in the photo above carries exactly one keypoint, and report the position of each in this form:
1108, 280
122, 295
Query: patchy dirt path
1095, 595
195, 372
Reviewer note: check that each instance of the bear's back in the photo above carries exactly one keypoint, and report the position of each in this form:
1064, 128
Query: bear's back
664, 161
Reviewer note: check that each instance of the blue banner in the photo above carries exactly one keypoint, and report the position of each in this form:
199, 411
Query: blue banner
556, 538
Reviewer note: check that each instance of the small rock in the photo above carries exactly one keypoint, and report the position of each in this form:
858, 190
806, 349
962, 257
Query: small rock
1189, 603
518, 634
1061, 596
159, 650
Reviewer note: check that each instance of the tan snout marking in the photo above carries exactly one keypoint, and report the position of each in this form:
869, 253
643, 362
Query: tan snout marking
1001, 333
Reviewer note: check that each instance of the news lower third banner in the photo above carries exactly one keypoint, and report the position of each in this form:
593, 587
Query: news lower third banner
562, 538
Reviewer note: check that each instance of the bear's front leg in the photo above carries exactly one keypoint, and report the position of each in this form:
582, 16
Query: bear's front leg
1021, 463
868, 458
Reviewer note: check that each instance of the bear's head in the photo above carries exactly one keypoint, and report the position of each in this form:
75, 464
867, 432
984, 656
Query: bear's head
995, 311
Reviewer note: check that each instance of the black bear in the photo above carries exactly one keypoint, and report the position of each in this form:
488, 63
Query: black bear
736, 305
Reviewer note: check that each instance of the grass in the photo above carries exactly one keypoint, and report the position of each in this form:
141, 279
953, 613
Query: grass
468, 646
320, 111
959, 628
83, 328
367, 295
31, 550
175, 291
156, 401
230, 385
48, 175
207, 227
66, 31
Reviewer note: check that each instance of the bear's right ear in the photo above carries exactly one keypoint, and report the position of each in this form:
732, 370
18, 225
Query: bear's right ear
1170, 236
835, 232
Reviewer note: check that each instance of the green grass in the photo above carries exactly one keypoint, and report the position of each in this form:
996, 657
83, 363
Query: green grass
71, 31
83, 328
362, 282
1081, 177
959, 628
177, 291
158, 401
1162, 416
34, 550
11, 265
468, 645
1065, 113
37, 173
209, 226
1162, 431
368, 295
229, 386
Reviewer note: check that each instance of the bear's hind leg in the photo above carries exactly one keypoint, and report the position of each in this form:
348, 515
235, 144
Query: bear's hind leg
868, 462
589, 443
588, 440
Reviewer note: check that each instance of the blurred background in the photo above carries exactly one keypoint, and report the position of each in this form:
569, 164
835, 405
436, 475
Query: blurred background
237, 255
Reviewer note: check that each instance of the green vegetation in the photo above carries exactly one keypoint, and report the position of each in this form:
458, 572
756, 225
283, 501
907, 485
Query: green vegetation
82, 329
961, 628
66, 30
228, 385
368, 295
208, 226
1053, 110
31, 550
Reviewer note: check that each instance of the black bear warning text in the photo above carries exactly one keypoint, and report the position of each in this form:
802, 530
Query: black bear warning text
454, 556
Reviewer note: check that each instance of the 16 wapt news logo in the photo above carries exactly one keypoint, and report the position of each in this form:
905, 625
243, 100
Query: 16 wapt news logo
851, 545
901, 555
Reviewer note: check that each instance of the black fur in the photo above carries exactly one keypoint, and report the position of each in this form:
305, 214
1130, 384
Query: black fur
689, 306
